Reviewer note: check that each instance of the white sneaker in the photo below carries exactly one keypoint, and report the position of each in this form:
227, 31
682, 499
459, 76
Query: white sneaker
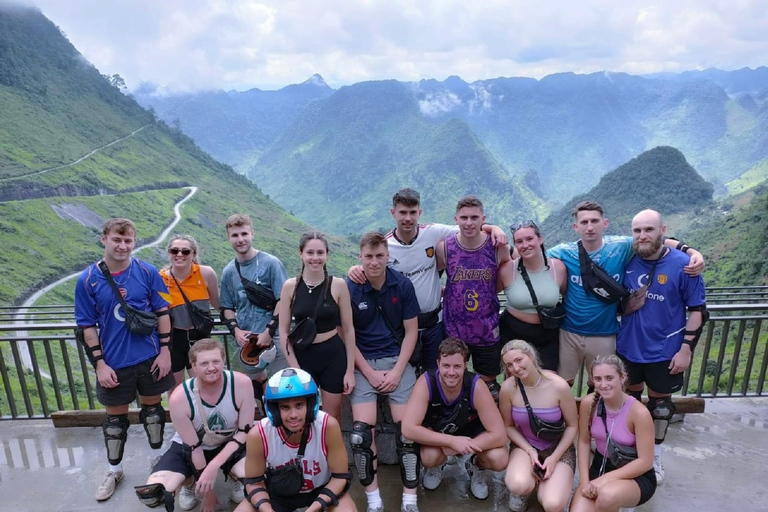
478, 483
411, 507
658, 468
107, 487
236, 491
518, 503
376, 509
432, 477
451, 460
187, 497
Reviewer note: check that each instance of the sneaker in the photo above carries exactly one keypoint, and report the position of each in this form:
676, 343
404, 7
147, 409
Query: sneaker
187, 497
236, 491
107, 487
451, 460
411, 507
376, 509
518, 503
658, 468
432, 477
477, 480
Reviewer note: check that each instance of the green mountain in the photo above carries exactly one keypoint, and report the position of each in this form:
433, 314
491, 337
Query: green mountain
74, 151
660, 179
340, 162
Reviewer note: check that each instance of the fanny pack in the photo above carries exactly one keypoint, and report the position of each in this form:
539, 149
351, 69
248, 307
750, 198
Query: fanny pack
597, 281
288, 480
546, 430
202, 321
430, 318
619, 454
257, 294
211, 437
550, 317
636, 299
137, 321
304, 332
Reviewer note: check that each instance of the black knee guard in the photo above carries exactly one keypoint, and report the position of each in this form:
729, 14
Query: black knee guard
637, 394
494, 388
115, 433
409, 457
361, 439
153, 418
662, 410
154, 495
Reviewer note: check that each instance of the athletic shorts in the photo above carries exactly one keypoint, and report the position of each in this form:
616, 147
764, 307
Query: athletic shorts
646, 482
181, 340
365, 393
486, 359
326, 362
291, 503
431, 337
655, 375
577, 350
133, 379
545, 341
173, 460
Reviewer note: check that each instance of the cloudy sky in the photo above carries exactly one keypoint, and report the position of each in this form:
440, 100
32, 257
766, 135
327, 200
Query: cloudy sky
239, 44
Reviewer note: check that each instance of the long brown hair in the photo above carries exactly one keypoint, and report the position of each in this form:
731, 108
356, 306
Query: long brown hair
610, 360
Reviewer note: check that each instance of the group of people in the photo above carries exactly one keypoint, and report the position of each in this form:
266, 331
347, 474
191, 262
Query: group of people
392, 329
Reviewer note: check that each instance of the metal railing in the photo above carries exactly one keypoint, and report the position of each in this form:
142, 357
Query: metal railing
43, 369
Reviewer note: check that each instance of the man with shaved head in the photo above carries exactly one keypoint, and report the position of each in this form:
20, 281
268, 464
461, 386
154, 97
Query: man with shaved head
656, 338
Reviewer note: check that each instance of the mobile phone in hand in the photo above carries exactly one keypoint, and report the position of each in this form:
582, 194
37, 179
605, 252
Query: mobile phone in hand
156, 374
539, 471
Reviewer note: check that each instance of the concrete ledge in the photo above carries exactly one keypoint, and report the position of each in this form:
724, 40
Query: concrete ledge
683, 404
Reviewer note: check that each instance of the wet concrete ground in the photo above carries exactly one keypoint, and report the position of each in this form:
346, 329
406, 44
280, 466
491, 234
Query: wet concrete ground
716, 461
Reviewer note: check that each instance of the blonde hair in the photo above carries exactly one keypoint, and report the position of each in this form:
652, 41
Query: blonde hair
524, 347
618, 365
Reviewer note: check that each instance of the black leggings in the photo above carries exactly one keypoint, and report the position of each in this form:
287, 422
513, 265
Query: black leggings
326, 362
545, 341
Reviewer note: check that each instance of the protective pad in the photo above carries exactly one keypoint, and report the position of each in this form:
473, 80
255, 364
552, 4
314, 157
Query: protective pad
662, 410
115, 433
361, 439
409, 457
154, 495
153, 418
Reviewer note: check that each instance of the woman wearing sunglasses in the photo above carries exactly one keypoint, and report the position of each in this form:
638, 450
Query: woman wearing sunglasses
541, 419
547, 279
200, 285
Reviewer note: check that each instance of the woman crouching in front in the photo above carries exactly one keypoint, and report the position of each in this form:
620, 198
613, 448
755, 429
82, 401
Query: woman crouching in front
621, 473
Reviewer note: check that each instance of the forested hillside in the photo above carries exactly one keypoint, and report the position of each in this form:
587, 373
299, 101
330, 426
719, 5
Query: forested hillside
57, 108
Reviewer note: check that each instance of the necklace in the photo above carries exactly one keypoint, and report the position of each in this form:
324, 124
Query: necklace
537, 382
312, 285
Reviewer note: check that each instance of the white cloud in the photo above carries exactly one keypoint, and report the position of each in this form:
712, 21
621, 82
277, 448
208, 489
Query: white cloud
239, 44
438, 103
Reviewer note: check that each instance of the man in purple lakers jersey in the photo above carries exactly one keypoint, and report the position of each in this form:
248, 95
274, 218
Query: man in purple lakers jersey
470, 301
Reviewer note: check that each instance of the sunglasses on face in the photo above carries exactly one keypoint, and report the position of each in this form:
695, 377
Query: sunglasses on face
184, 252
525, 224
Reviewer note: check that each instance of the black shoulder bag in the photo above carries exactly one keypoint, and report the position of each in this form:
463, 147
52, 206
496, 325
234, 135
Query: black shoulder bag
415, 358
619, 454
137, 321
258, 294
597, 281
202, 321
303, 333
550, 317
288, 480
542, 429
636, 299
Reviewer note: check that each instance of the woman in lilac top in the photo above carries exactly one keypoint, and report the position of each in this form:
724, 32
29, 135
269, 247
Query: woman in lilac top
611, 413
536, 462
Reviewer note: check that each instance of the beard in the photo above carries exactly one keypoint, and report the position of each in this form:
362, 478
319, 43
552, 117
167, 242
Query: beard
648, 249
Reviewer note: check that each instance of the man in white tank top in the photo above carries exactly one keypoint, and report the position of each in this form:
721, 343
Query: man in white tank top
212, 413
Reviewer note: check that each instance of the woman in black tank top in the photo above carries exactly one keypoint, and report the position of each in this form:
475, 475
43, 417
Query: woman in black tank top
330, 359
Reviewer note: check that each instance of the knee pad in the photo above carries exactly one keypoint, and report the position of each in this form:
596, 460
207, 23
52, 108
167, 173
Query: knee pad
637, 394
115, 433
409, 457
154, 495
494, 388
153, 418
662, 410
361, 439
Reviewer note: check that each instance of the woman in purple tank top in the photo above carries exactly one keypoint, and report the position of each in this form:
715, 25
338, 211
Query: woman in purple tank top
539, 466
610, 417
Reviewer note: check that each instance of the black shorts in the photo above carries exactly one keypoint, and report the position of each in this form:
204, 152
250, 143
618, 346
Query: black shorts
545, 341
326, 362
431, 337
291, 503
174, 461
486, 359
655, 375
646, 482
181, 340
472, 429
133, 379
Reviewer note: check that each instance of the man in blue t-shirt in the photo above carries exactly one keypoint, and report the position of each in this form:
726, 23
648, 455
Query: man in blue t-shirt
590, 325
126, 363
385, 313
656, 341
